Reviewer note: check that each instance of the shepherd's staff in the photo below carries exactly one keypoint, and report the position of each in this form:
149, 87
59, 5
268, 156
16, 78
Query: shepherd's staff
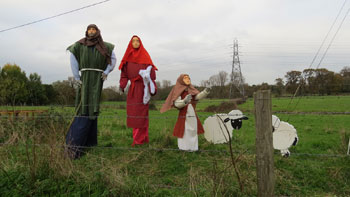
77, 109
103, 78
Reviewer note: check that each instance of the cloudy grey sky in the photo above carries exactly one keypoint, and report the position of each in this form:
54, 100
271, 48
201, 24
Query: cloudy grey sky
182, 36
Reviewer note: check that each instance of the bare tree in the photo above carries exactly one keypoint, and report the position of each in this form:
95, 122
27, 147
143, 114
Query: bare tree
205, 83
222, 76
214, 80
166, 83
158, 84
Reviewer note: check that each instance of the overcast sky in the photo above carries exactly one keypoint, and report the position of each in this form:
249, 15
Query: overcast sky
182, 36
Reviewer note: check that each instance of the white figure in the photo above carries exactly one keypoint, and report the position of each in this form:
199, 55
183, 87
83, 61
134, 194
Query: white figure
214, 126
184, 96
284, 136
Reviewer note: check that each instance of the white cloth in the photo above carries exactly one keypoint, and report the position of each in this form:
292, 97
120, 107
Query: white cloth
146, 76
189, 141
75, 65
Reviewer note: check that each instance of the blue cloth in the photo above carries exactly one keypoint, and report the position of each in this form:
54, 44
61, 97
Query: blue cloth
82, 134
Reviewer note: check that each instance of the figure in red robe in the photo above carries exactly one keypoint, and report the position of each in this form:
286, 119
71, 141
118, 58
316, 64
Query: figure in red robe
184, 96
137, 66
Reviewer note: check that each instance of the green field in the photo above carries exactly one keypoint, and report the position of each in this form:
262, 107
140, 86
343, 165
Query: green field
317, 165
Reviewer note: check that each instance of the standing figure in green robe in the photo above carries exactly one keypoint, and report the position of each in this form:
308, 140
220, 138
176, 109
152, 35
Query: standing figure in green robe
94, 59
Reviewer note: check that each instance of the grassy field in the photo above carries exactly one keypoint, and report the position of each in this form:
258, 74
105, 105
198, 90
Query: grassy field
316, 167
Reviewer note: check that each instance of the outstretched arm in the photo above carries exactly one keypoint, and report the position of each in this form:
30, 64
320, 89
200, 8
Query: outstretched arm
202, 94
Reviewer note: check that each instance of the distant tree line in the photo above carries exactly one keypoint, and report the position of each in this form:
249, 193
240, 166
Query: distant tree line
309, 81
16, 88
315, 82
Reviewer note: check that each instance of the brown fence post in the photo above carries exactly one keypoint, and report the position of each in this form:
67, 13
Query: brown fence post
264, 143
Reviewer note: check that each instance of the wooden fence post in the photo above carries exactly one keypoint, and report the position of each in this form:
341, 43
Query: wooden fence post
264, 143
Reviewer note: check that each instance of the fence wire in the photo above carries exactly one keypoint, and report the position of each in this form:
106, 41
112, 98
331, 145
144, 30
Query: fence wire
138, 149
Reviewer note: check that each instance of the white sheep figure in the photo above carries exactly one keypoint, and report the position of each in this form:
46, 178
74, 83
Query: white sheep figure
284, 136
215, 130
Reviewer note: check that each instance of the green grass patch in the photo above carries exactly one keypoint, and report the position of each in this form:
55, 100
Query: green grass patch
114, 168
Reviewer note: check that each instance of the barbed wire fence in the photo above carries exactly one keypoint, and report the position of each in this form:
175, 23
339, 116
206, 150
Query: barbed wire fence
97, 151
122, 116
108, 112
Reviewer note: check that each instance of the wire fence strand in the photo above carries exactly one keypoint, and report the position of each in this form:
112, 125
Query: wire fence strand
246, 151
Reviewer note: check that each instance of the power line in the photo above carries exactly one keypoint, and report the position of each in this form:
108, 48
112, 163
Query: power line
325, 38
323, 56
55, 16
330, 43
313, 60
329, 31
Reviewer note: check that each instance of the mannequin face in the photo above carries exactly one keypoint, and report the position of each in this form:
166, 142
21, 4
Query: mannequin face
91, 31
135, 43
187, 80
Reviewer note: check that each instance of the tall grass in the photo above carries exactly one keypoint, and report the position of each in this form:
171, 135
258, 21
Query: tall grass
33, 160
